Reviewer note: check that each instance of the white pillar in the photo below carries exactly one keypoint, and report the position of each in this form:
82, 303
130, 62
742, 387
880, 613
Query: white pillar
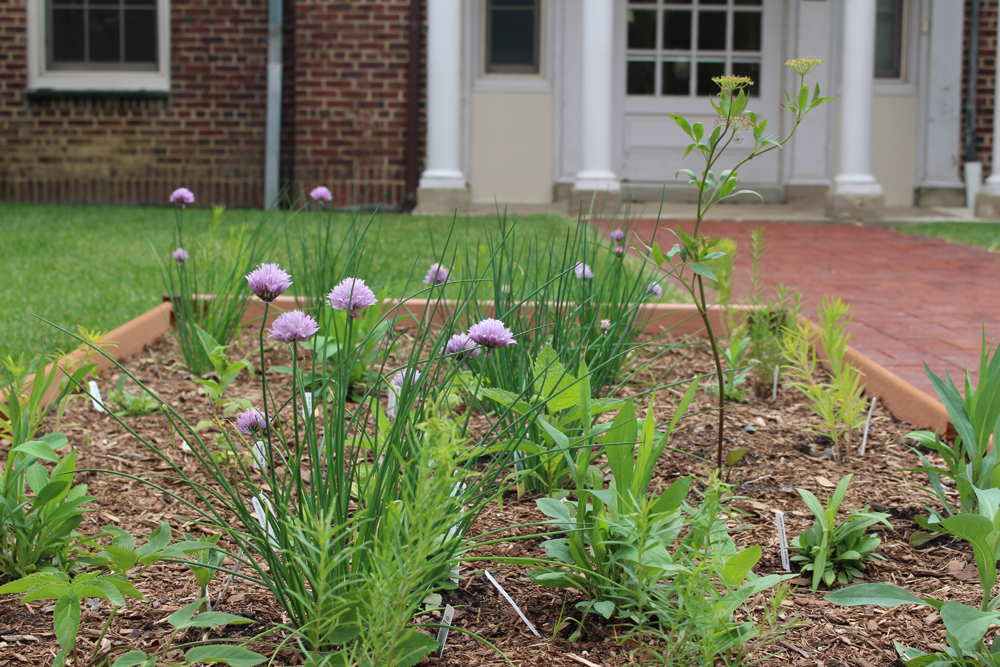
444, 96
856, 193
597, 107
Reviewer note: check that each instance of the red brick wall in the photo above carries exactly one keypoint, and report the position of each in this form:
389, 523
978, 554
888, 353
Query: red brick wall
985, 81
346, 104
208, 136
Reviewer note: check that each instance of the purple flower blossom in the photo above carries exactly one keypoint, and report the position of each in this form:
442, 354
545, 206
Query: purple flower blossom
655, 290
268, 282
352, 295
404, 376
436, 275
620, 251
583, 271
461, 347
182, 196
618, 235
180, 255
293, 326
321, 193
251, 422
491, 334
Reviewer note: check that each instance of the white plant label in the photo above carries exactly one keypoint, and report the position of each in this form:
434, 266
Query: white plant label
446, 618
95, 396
864, 438
307, 404
266, 519
496, 585
774, 388
779, 521
259, 456
392, 408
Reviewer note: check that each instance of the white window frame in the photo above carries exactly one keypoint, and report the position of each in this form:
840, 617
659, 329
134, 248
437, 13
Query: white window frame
43, 80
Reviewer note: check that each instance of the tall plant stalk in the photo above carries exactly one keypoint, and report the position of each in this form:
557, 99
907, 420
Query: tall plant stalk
695, 251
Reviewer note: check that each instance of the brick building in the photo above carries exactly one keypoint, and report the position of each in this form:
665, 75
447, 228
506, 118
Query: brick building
454, 101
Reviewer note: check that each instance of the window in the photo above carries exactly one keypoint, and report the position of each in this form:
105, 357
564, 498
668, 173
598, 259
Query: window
675, 47
512, 36
101, 34
94, 46
889, 39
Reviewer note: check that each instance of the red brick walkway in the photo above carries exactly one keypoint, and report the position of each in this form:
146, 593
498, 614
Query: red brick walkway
914, 298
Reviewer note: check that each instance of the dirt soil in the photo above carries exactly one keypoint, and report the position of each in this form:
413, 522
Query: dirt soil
783, 455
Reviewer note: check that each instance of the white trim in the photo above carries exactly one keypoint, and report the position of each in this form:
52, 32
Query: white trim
42, 79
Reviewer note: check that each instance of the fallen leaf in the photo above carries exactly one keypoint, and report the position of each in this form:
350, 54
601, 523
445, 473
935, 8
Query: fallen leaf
823, 481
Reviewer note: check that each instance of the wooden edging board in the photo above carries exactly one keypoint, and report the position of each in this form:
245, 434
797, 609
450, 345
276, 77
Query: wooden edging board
901, 398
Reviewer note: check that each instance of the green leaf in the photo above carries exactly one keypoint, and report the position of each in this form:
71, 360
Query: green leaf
882, 595
967, 625
683, 124
735, 456
703, 270
671, 499
975, 529
619, 446
211, 619
236, 656
66, 619
48, 591
737, 567
182, 617
605, 608
552, 383
38, 449
130, 659
412, 647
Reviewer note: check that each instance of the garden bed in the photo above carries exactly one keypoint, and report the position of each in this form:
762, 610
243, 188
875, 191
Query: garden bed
782, 456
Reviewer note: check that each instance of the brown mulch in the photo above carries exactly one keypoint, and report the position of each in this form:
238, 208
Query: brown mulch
783, 454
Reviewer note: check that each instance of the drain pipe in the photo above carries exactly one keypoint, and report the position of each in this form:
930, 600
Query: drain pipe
272, 129
412, 174
970, 98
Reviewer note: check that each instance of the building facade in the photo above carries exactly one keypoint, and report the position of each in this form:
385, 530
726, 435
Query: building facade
446, 102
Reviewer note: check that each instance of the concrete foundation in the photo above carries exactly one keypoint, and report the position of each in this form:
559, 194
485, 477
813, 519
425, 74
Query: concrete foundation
606, 203
988, 203
442, 201
848, 205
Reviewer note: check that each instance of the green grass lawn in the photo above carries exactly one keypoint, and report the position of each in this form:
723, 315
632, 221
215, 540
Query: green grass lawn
98, 266
980, 234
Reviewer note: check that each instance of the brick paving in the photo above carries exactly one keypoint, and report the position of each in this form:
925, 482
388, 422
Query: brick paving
914, 298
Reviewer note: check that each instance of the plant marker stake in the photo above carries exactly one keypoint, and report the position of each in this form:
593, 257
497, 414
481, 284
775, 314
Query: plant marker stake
779, 521
259, 456
458, 488
774, 389
95, 396
449, 614
496, 584
864, 438
391, 409
307, 404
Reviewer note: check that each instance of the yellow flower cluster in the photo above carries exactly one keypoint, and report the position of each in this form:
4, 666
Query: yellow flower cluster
732, 82
804, 65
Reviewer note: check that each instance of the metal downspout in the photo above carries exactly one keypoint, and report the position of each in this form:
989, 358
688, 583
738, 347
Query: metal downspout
972, 87
272, 131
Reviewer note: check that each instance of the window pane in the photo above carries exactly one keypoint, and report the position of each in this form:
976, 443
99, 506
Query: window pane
513, 3
707, 70
748, 2
713, 2
140, 36
676, 77
144, 3
712, 31
512, 37
746, 31
888, 39
677, 2
642, 29
104, 35
751, 70
67, 35
641, 77
677, 30
643, 2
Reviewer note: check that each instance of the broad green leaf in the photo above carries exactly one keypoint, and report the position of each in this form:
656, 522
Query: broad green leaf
975, 530
38, 449
182, 617
211, 619
130, 659
49, 591
66, 619
737, 567
671, 499
605, 608
838, 495
236, 656
882, 595
967, 625
412, 647
704, 270
619, 446
552, 383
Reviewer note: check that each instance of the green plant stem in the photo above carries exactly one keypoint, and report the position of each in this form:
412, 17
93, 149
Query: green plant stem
718, 368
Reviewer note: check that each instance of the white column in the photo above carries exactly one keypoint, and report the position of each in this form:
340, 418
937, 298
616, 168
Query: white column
855, 136
597, 107
993, 182
444, 96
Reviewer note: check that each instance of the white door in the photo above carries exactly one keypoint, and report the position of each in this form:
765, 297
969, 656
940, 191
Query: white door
672, 49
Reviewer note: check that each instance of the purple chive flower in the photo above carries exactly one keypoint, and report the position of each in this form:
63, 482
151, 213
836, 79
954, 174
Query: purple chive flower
583, 271
436, 275
352, 295
491, 334
293, 326
321, 193
402, 377
620, 251
180, 255
182, 196
268, 282
461, 347
618, 235
655, 290
251, 422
